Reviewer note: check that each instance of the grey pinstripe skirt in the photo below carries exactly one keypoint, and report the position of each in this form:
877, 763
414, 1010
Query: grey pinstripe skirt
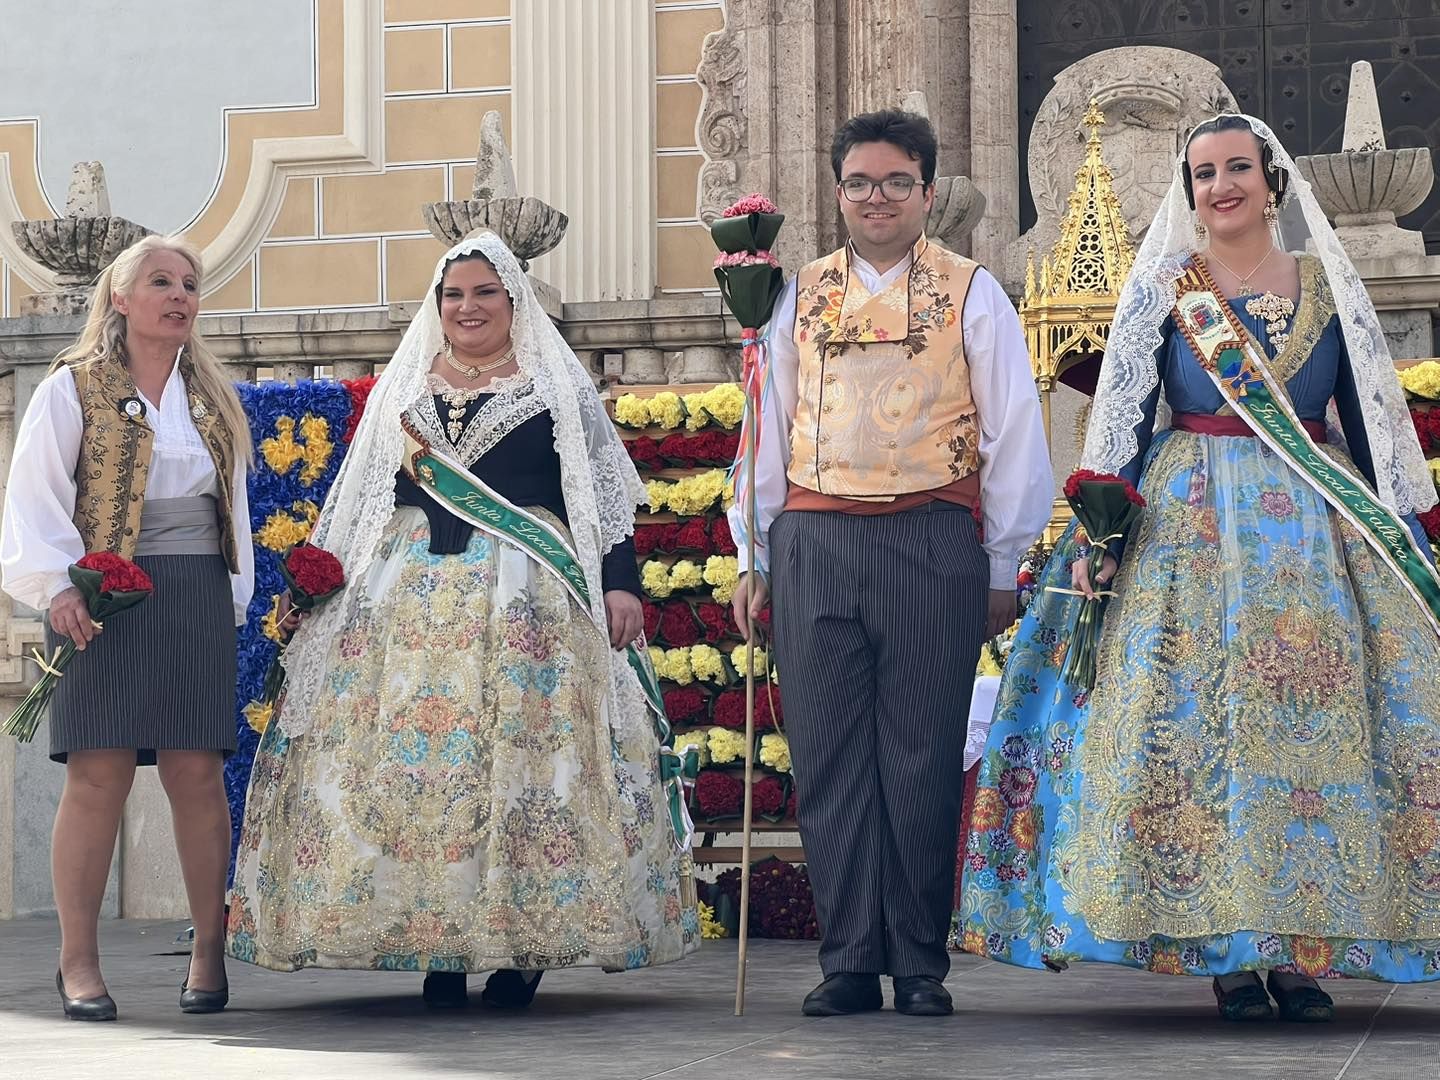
162, 675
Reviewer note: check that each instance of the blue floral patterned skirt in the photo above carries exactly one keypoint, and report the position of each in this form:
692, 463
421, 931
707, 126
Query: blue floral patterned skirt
1255, 780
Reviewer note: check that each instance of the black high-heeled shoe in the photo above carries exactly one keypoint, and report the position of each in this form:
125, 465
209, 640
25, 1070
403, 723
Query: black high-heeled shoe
203, 1001
445, 990
96, 1008
511, 989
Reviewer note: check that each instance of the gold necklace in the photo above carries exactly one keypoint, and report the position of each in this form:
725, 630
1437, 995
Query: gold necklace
474, 371
1243, 279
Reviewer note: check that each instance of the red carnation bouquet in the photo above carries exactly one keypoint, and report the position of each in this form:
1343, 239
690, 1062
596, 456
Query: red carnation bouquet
110, 584
312, 575
1106, 506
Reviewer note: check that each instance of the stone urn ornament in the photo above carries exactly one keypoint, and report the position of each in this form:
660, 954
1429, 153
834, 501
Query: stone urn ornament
1367, 186
529, 226
79, 245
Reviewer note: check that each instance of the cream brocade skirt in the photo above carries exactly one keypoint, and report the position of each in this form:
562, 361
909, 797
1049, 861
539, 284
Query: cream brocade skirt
463, 801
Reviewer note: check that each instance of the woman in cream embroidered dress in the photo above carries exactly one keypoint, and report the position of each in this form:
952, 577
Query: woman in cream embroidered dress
463, 775
1254, 783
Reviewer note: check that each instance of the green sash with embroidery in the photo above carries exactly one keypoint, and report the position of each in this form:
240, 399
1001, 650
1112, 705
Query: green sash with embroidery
1238, 368
455, 487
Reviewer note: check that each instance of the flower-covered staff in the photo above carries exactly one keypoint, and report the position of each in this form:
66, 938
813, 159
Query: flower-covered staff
901, 473
471, 757
135, 446
1250, 781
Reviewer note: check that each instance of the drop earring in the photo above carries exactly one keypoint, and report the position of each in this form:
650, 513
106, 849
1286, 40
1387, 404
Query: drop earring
1202, 234
1272, 211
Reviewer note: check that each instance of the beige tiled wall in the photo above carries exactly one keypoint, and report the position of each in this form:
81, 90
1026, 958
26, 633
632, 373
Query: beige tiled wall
358, 240
683, 251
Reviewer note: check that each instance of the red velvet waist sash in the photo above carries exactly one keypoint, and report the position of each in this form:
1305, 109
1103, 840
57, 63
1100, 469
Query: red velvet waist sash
1209, 424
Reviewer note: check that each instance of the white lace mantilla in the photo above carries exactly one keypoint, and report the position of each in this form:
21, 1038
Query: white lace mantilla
1130, 372
598, 479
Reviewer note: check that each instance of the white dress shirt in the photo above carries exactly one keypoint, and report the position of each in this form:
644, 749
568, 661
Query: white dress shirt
38, 537
1016, 482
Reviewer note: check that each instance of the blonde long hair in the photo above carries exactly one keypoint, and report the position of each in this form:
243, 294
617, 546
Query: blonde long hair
103, 338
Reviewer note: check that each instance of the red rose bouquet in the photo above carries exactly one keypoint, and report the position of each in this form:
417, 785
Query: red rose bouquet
1106, 506
678, 628
720, 538
718, 795
686, 705
312, 575
692, 539
110, 584
645, 453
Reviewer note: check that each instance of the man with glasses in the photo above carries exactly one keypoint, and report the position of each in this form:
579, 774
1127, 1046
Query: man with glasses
901, 474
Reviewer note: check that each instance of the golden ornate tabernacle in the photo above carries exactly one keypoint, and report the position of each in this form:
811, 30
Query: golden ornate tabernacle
1068, 308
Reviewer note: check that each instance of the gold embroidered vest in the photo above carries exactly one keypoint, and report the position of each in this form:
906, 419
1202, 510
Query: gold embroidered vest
884, 403
114, 461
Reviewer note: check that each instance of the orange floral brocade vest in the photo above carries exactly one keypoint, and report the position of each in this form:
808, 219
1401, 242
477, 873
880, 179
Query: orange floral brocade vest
884, 403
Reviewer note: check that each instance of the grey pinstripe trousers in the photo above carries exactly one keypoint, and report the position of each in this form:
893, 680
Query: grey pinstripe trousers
878, 625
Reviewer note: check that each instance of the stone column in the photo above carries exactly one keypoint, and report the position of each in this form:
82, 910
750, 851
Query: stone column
896, 47
583, 131
643, 367
704, 364
994, 126
353, 369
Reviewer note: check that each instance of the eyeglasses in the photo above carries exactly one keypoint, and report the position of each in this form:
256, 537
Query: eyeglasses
894, 188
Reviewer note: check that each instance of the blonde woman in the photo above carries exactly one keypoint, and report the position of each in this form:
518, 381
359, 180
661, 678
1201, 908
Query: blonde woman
136, 444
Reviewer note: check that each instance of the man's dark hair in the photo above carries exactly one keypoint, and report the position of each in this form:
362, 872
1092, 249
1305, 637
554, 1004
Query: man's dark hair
909, 131
1275, 177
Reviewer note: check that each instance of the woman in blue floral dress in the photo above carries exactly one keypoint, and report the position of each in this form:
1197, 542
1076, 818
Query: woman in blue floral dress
1253, 785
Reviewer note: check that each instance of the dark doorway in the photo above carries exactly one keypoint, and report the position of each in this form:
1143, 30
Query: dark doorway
1287, 62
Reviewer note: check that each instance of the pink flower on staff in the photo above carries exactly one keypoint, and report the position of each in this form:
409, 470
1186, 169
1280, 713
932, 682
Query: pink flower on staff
751, 204
746, 258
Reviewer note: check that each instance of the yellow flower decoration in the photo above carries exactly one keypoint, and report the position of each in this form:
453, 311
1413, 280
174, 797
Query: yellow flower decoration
657, 658
281, 532
726, 403
761, 661
725, 745
258, 715
685, 575
1434, 464
270, 621
696, 415
708, 663
657, 494
988, 665
1422, 380
723, 572
666, 410
709, 928
315, 430
632, 411
655, 579
281, 451
775, 752
697, 494
694, 740
676, 667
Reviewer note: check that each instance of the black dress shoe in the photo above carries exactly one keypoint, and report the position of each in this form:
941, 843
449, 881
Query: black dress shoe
203, 1001
842, 994
96, 1008
920, 995
445, 990
510, 989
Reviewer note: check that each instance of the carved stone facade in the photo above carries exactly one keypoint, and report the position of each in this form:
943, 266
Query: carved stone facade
1150, 98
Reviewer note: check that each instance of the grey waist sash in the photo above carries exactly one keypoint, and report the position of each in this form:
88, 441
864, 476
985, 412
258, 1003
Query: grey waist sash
186, 526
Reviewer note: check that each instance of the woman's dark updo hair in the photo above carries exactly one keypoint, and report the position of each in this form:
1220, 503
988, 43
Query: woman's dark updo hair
1276, 178
469, 255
